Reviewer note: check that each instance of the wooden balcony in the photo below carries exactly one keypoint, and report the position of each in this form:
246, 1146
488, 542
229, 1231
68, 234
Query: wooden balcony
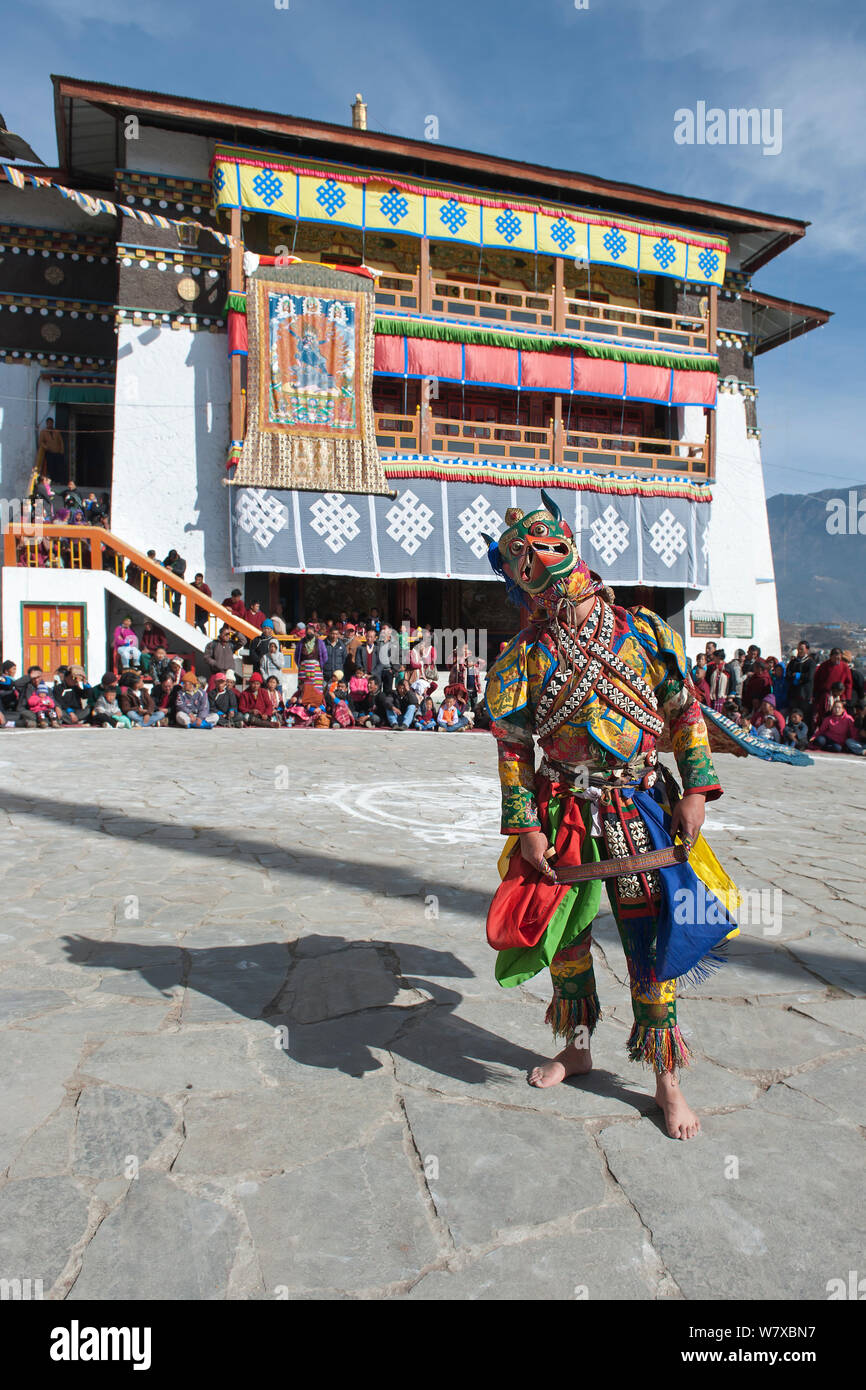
542, 445
541, 311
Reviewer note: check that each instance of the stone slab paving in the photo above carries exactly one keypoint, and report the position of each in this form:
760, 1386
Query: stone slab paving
254, 1048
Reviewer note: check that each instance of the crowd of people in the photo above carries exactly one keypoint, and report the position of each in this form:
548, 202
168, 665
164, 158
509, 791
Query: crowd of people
804, 702
348, 672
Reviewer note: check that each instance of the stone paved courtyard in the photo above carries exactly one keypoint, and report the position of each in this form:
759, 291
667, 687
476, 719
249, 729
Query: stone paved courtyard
254, 1048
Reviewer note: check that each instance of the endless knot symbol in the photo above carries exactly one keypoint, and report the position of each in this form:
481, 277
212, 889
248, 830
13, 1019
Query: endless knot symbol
563, 233
261, 516
609, 535
475, 519
394, 206
330, 196
409, 522
268, 187
668, 537
664, 252
219, 180
452, 216
507, 225
708, 261
614, 242
336, 520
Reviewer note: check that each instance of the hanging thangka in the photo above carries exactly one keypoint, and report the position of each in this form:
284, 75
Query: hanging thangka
310, 422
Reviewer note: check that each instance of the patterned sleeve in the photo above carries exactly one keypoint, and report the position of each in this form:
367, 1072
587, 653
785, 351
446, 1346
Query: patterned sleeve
516, 776
689, 738
507, 699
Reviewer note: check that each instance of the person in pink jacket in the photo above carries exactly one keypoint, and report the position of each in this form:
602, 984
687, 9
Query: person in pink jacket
836, 732
126, 643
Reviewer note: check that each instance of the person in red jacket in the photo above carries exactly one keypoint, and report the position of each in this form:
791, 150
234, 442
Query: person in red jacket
828, 674
837, 732
256, 707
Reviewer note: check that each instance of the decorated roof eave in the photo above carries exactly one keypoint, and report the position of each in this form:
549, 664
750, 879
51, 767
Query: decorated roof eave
447, 468
378, 143
785, 319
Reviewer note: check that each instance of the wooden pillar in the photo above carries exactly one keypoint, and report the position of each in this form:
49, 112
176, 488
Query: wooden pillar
712, 328
236, 285
558, 436
559, 295
425, 284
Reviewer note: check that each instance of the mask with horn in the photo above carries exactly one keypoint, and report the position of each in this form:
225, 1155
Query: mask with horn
536, 553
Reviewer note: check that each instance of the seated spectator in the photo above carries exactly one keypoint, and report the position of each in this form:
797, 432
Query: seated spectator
824, 704
425, 719
107, 714
272, 661
125, 643
358, 690
41, 704
733, 711
108, 681
9, 693
152, 638
192, 709
796, 734
404, 706
26, 687
258, 647
70, 695
275, 695
768, 708
137, 703
256, 706
836, 732
224, 703
163, 666
449, 719
768, 728
296, 714
337, 701
372, 711
219, 654
165, 693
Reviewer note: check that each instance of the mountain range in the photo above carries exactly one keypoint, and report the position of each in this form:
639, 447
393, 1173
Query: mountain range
819, 553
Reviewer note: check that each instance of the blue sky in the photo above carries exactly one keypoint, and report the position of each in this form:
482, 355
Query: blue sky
592, 89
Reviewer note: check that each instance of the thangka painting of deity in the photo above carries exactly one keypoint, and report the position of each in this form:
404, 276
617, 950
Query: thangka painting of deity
313, 383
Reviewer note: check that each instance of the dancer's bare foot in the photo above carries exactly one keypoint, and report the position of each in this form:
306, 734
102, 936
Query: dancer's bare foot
680, 1118
571, 1061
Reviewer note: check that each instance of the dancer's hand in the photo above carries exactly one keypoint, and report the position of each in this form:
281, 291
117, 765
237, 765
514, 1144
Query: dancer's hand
688, 816
534, 846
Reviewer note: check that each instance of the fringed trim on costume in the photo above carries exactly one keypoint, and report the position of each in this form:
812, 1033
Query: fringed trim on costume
663, 1049
706, 967
566, 1016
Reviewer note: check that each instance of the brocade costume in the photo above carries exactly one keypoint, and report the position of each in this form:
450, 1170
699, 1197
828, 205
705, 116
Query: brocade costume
598, 694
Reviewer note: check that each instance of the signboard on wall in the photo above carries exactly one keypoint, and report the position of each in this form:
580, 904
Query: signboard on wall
739, 625
707, 624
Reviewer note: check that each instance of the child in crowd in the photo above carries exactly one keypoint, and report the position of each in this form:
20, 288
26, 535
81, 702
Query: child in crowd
341, 714
106, 711
8, 690
224, 703
768, 728
126, 643
796, 733
41, 702
449, 719
296, 714
425, 719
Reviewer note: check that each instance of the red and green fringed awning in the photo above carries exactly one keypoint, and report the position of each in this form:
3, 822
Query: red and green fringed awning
439, 330
400, 468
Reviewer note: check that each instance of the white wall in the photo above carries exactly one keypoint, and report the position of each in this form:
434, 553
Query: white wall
171, 437
61, 587
740, 552
21, 413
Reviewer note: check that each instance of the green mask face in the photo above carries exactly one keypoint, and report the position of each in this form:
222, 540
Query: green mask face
537, 549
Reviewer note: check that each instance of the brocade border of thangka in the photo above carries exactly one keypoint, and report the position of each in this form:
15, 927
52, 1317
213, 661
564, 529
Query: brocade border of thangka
275, 458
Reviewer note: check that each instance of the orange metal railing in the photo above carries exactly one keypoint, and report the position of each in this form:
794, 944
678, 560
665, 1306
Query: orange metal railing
90, 547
